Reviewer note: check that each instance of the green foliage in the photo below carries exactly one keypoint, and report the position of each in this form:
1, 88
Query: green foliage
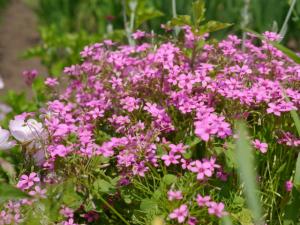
9, 192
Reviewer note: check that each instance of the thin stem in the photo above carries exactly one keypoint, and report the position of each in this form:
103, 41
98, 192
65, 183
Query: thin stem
174, 8
114, 210
127, 29
245, 20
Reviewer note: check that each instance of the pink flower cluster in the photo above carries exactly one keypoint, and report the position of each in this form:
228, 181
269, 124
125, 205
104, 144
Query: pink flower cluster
214, 208
148, 101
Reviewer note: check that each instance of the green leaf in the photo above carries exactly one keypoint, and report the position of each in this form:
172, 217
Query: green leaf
9, 192
226, 220
246, 168
148, 204
103, 186
181, 21
212, 26
199, 11
244, 217
192, 143
297, 173
287, 51
169, 179
292, 210
70, 196
147, 14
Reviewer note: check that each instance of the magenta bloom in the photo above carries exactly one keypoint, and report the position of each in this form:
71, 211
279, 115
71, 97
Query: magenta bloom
66, 212
174, 195
216, 209
69, 222
203, 169
262, 147
180, 213
27, 182
192, 221
51, 82
29, 76
38, 192
170, 159
289, 186
138, 34
203, 201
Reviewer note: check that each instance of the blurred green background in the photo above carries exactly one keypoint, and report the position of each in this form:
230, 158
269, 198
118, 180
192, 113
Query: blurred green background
66, 26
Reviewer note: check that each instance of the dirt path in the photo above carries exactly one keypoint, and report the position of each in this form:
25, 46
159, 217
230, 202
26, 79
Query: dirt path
18, 32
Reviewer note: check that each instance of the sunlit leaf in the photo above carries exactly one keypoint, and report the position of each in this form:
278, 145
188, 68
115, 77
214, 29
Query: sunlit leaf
199, 11
212, 26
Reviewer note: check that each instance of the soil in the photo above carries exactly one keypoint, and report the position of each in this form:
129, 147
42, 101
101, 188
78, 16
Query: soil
18, 32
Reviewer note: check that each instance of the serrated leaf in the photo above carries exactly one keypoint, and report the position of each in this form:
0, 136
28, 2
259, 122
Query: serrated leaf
181, 20
199, 11
70, 197
103, 186
212, 26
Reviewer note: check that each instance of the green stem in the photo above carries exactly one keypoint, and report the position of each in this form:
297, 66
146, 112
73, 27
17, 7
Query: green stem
114, 210
126, 27
175, 16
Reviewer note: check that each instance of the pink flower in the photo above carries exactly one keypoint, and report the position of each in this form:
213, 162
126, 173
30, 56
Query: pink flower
180, 213
262, 147
275, 109
203, 169
180, 148
27, 182
130, 104
271, 36
69, 222
203, 201
29, 76
174, 195
66, 212
216, 209
138, 34
170, 159
51, 82
192, 221
289, 186
38, 192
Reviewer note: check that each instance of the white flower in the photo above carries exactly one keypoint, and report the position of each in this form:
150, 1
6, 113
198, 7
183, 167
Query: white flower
1, 83
4, 142
26, 132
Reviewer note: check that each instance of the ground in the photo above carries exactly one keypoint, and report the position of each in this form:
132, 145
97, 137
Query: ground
18, 32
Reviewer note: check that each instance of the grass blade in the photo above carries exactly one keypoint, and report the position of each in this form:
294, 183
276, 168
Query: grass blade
246, 169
